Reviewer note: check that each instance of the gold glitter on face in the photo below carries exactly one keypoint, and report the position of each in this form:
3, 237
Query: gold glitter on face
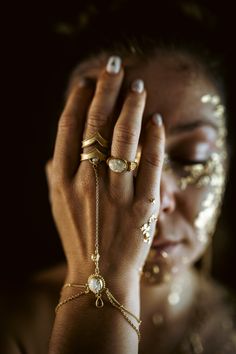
201, 174
206, 219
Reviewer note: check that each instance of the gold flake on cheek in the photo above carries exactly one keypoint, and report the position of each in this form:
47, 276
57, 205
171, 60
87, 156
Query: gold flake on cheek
206, 219
198, 175
219, 113
201, 175
210, 208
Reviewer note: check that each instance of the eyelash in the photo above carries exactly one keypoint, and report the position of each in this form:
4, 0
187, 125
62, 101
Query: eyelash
186, 162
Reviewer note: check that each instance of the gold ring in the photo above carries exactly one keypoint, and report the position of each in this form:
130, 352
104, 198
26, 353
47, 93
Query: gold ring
99, 151
95, 156
120, 165
95, 139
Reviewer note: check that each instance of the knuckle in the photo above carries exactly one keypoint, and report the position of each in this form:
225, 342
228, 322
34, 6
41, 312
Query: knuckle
159, 140
153, 160
125, 134
97, 118
106, 86
66, 122
58, 181
135, 101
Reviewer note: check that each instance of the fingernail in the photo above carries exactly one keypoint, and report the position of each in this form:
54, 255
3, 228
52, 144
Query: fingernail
113, 65
157, 119
137, 86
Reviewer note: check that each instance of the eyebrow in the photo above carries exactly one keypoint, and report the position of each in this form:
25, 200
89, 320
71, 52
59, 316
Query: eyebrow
192, 125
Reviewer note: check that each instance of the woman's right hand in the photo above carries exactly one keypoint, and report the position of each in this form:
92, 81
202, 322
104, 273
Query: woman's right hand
124, 199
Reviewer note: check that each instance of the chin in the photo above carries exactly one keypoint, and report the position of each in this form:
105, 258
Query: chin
161, 267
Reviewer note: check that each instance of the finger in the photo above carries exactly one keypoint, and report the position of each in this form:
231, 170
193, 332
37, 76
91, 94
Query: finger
126, 135
100, 116
70, 130
149, 172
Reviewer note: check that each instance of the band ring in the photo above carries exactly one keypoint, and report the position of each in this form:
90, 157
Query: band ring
95, 139
95, 156
120, 165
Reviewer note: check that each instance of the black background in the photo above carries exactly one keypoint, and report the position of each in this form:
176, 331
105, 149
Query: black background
37, 66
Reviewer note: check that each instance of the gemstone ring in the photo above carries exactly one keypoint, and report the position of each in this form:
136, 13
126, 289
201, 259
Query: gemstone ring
120, 165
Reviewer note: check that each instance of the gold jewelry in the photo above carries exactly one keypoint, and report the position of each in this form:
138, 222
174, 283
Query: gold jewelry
95, 155
145, 228
99, 303
152, 200
96, 283
100, 150
96, 138
121, 165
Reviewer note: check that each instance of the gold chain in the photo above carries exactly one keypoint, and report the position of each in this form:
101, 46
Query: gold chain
96, 252
124, 312
73, 297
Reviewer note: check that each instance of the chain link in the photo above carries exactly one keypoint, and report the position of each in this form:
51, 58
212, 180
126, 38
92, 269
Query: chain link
96, 252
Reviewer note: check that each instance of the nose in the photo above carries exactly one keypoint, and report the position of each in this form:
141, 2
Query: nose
168, 194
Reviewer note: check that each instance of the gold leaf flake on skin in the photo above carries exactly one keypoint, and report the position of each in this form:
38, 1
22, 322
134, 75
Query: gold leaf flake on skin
206, 219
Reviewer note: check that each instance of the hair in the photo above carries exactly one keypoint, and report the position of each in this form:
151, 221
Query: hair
128, 27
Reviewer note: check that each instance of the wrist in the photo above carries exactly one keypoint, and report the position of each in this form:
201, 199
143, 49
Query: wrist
125, 288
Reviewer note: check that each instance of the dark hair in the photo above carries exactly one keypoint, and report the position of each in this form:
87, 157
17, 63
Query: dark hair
127, 27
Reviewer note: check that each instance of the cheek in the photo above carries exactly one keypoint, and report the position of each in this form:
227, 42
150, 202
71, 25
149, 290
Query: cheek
190, 203
202, 206
196, 206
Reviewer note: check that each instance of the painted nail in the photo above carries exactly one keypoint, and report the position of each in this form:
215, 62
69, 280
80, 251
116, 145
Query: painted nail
137, 86
113, 65
157, 119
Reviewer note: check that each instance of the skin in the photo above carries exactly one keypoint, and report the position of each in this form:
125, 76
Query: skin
174, 85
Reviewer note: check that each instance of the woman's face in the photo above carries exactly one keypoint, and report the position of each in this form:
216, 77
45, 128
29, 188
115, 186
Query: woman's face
194, 171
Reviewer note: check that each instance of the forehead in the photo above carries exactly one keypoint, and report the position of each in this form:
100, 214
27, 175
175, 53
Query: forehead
175, 86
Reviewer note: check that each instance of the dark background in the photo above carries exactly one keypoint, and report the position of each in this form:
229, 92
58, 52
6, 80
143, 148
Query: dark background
40, 60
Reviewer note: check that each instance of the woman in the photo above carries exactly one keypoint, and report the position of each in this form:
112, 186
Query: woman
136, 184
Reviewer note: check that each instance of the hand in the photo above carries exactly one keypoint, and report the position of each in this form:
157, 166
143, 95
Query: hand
124, 199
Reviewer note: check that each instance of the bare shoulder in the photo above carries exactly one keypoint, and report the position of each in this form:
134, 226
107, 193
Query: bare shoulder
27, 312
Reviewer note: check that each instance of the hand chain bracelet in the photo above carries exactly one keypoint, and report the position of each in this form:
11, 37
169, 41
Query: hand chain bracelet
96, 283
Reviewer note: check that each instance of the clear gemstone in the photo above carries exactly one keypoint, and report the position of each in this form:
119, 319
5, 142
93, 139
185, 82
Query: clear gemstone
96, 284
117, 165
95, 159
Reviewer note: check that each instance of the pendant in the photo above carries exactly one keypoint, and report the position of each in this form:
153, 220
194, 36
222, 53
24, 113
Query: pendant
96, 284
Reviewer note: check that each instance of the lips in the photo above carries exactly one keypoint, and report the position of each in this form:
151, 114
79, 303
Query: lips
164, 244
166, 241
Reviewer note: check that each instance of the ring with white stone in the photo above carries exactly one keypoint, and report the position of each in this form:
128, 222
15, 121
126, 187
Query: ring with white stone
121, 165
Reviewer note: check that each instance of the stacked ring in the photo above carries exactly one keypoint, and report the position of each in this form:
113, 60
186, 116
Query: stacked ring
100, 151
